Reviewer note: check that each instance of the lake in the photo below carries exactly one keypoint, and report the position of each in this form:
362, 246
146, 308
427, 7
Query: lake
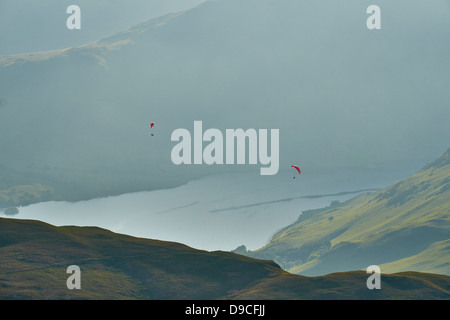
218, 212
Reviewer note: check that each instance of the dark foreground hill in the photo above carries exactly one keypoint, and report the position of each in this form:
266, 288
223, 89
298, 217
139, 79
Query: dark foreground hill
34, 257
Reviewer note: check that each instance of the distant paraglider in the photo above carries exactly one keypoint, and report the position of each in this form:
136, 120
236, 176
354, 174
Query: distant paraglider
296, 168
152, 124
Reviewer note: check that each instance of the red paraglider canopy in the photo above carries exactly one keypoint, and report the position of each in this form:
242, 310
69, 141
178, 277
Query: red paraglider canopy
152, 124
297, 168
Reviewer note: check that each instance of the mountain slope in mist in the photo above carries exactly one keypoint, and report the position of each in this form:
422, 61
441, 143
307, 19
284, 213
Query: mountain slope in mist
28, 26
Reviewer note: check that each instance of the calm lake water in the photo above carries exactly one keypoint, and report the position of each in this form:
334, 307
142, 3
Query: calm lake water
218, 212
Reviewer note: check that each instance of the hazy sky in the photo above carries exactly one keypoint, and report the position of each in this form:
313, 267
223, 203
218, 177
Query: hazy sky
340, 94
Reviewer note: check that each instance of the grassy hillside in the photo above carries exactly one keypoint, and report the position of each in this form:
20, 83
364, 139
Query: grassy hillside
403, 227
34, 257
433, 259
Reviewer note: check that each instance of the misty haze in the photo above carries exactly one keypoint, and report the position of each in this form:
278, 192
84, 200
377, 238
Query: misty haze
76, 108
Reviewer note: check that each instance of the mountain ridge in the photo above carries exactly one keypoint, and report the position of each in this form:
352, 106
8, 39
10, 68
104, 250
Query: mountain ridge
94, 48
440, 162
